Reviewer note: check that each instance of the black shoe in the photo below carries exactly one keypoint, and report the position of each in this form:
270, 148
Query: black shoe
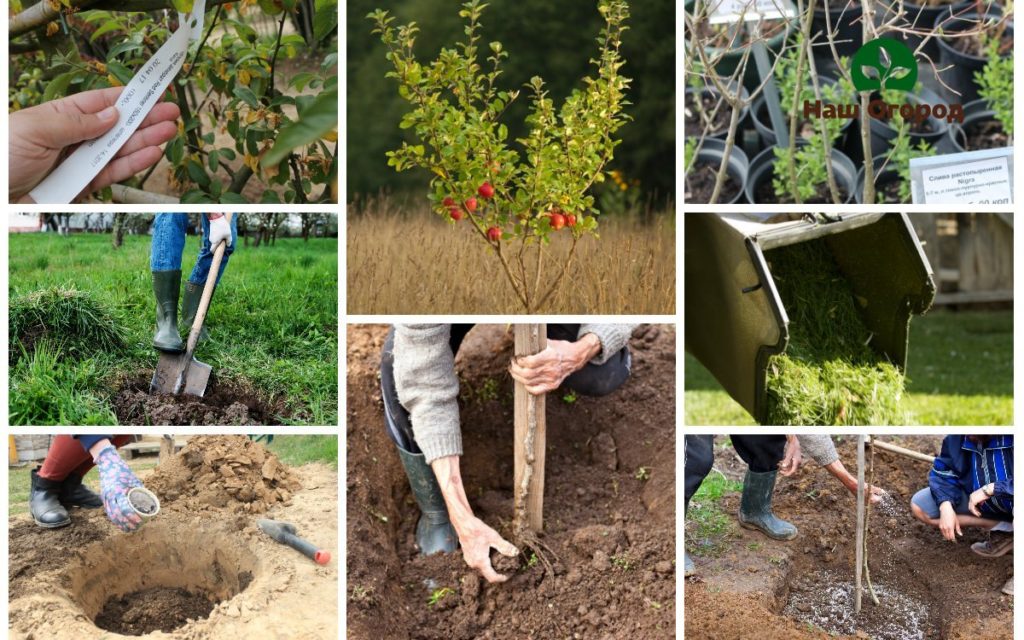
75, 494
44, 503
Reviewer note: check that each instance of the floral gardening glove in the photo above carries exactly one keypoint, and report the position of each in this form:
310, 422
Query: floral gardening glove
116, 479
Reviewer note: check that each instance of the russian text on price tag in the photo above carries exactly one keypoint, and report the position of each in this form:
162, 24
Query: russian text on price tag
974, 177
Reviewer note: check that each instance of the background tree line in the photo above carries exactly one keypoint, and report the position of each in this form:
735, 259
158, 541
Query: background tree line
554, 40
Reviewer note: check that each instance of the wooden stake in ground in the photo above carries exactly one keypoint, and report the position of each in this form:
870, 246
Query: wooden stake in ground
530, 439
860, 525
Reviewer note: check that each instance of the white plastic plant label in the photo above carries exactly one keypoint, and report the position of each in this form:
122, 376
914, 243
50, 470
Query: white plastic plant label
727, 11
136, 101
974, 177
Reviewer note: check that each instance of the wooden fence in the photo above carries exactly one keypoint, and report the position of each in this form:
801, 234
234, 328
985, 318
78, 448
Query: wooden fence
971, 255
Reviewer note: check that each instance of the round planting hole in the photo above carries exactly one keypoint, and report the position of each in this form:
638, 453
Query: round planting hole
160, 577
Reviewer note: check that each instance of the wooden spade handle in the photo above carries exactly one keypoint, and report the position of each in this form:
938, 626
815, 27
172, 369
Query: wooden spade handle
204, 302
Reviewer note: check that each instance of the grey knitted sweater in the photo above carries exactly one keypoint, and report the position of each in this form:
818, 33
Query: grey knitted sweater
428, 386
819, 448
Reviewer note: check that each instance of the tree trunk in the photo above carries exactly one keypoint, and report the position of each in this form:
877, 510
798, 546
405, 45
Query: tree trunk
530, 438
119, 227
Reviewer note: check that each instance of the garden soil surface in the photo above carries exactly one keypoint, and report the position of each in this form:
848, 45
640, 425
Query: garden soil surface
802, 589
198, 570
225, 403
608, 510
700, 185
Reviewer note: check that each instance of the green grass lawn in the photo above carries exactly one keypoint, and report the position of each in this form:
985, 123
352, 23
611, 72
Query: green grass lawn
273, 324
292, 450
960, 372
708, 528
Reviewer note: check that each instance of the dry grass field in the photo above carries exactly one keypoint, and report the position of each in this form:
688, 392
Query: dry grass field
412, 262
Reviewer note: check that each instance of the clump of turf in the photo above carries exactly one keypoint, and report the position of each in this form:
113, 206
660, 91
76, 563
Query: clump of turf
829, 373
73, 320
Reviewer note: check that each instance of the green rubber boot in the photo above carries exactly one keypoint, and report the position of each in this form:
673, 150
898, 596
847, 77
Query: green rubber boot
756, 507
190, 305
166, 288
434, 531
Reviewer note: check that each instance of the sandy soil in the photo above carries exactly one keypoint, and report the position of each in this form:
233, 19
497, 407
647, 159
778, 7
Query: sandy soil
60, 580
927, 587
610, 527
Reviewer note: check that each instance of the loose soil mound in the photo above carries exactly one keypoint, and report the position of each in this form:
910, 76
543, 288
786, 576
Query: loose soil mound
609, 506
71, 583
927, 587
225, 403
159, 609
224, 472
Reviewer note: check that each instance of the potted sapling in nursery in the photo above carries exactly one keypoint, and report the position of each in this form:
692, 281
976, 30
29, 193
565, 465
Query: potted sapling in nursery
988, 121
892, 169
833, 92
800, 173
516, 200
965, 47
701, 163
838, 21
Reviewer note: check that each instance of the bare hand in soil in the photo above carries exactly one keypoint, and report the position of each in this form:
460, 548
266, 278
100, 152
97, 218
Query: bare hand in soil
477, 540
544, 371
949, 524
790, 462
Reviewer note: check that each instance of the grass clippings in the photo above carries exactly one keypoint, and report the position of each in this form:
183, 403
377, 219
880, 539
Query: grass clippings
829, 373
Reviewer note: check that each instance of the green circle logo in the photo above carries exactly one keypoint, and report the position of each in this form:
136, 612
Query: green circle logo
884, 63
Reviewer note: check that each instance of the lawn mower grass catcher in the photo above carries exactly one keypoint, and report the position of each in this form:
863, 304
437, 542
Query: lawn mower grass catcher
804, 318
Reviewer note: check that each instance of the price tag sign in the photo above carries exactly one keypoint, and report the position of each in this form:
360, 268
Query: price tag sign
729, 11
139, 97
974, 177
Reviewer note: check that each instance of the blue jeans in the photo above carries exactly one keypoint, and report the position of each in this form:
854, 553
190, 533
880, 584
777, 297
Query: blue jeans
169, 244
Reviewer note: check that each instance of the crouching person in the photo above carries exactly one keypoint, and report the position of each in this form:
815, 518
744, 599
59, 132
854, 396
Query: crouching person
971, 485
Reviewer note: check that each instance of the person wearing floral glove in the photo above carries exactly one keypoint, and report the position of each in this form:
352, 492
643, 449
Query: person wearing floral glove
169, 231
57, 485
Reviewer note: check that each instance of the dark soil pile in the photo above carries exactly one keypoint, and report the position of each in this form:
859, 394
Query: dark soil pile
157, 609
225, 403
608, 511
224, 472
927, 587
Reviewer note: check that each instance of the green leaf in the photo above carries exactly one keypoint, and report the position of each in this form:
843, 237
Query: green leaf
58, 87
325, 20
121, 72
198, 174
106, 27
246, 95
233, 198
315, 121
184, 6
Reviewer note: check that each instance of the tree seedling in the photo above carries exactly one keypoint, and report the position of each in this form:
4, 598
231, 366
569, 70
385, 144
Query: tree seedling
514, 199
995, 84
438, 595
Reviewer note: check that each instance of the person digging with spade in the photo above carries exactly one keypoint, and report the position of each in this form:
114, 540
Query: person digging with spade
420, 389
57, 484
165, 262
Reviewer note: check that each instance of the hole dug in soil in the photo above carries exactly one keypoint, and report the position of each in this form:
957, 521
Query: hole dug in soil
158, 579
225, 403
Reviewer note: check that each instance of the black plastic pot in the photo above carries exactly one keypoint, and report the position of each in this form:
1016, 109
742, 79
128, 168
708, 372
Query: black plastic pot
963, 67
974, 113
762, 122
762, 168
712, 152
882, 133
882, 178
845, 22
723, 133
731, 55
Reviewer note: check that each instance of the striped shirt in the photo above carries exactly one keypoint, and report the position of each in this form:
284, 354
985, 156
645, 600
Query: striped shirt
965, 466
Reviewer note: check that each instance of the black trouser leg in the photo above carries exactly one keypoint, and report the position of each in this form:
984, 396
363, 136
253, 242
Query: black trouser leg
593, 379
761, 453
698, 457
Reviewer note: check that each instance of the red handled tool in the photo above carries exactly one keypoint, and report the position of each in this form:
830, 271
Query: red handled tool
284, 533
